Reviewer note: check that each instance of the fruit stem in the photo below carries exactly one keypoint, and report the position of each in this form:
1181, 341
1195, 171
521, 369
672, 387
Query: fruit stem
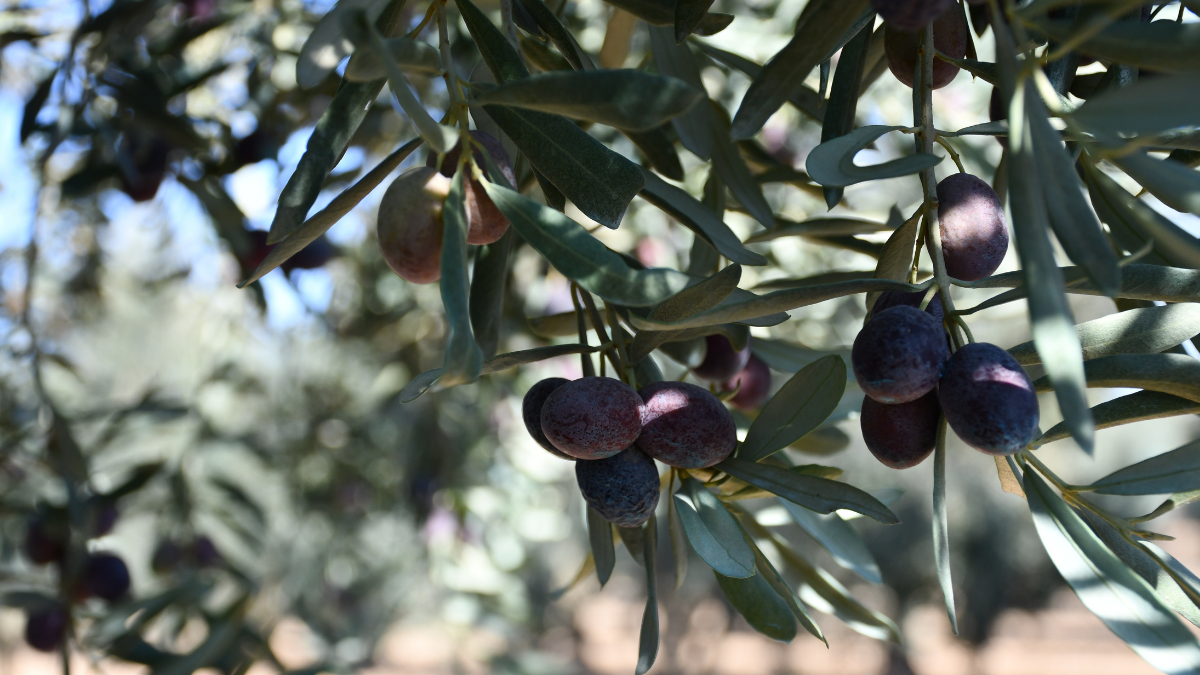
450, 75
945, 143
424, 22
923, 117
613, 355
585, 359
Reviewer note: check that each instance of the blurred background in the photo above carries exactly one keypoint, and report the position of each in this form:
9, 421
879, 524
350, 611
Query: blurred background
275, 498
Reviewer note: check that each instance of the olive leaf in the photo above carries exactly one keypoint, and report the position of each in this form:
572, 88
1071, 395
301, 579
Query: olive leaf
742, 309
679, 542
464, 360
782, 589
324, 219
1136, 407
816, 227
627, 99
1050, 315
1138, 282
1173, 183
1113, 592
1163, 46
804, 98
648, 639
698, 218
600, 534
843, 95
712, 531
760, 605
1140, 224
676, 60
813, 493
581, 257
487, 291
697, 298
548, 21
839, 539
412, 56
1176, 374
832, 163
941, 526
728, 163
421, 383
1144, 330
327, 45
823, 28
1174, 471
1149, 107
800, 406
499, 55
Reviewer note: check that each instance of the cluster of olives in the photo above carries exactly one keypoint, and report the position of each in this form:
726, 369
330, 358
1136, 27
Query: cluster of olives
902, 356
170, 555
736, 370
409, 225
101, 575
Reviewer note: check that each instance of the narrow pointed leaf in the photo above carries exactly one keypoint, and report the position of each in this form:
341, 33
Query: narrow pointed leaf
1163, 46
1174, 471
761, 606
324, 219
728, 163
832, 163
1126, 214
600, 534
818, 227
825, 593
1074, 222
1177, 374
648, 640
836, 536
843, 95
498, 53
941, 527
627, 99
581, 257
800, 406
688, 15
464, 360
412, 56
698, 218
1050, 315
421, 383
1146, 330
713, 532
816, 494
487, 291
777, 583
1113, 592
1136, 407
743, 309
677, 60
1138, 282
1149, 107
679, 543
704, 295
548, 21
822, 29
1175, 184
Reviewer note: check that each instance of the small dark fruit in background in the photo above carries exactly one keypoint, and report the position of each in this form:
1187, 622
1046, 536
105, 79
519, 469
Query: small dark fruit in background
973, 228
46, 537
902, 435
988, 399
105, 576
623, 488
721, 360
898, 355
753, 385
592, 417
45, 628
531, 412
685, 425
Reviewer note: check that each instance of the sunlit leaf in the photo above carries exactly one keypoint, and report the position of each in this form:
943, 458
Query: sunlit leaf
1174, 471
1163, 46
1113, 592
412, 56
713, 532
1128, 215
1177, 374
843, 543
1145, 330
1151, 106
1175, 184
1136, 407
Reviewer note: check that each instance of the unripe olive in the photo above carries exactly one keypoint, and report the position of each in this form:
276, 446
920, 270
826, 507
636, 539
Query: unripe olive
753, 385
721, 360
622, 488
531, 412
592, 417
486, 224
902, 435
409, 226
910, 15
988, 399
974, 232
685, 426
902, 47
898, 355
